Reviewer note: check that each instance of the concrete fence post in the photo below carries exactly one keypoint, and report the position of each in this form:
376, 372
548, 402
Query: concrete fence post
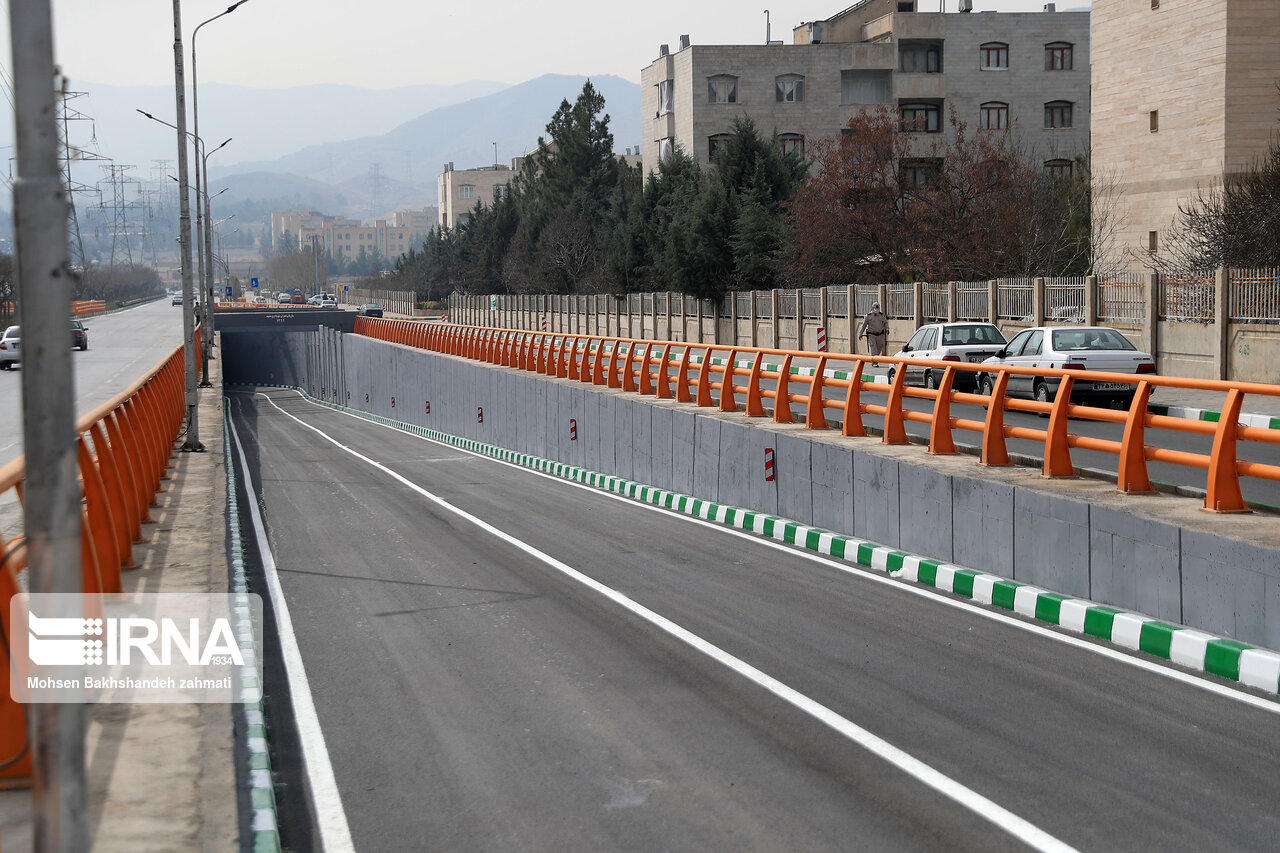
671, 335
993, 302
799, 318
1037, 301
851, 295
917, 307
1222, 323
753, 332
733, 318
1091, 300
822, 311
1151, 323
773, 323
953, 290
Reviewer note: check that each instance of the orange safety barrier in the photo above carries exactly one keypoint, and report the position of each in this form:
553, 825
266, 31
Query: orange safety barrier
83, 307
123, 448
686, 372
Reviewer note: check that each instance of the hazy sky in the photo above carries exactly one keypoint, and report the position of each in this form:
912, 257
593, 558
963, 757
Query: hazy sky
388, 43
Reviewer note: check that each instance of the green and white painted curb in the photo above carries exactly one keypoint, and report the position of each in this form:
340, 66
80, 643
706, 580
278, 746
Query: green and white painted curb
1230, 659
1263, 421
262, 798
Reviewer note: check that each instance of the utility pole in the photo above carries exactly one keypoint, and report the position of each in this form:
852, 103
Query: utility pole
51, 499
192, 442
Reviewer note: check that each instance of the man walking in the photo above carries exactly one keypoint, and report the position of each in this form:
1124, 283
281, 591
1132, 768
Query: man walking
875, 328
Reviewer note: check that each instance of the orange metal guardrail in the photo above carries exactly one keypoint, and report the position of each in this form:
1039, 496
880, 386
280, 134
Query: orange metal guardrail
123, 448
82, 307
687, 372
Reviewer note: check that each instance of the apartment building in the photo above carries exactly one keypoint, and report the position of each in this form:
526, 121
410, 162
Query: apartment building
1184, 93
345, 238
1028, 72
460, 190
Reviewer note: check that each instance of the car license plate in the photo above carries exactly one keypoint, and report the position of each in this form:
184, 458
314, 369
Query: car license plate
978, 358
1111, 386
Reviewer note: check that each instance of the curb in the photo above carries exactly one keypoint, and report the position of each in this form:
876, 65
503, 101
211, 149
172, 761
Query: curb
262, 798
1189, 647
1263, 421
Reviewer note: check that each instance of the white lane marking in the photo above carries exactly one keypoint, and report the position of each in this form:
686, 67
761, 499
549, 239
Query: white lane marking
1023, 830
335, 835
1071, 617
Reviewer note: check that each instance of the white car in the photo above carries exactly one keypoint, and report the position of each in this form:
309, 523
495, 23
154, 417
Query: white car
10, 343
328, 302
261, 300
967, 342
1082, 348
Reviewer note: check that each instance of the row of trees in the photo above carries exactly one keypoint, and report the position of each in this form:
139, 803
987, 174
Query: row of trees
875, 204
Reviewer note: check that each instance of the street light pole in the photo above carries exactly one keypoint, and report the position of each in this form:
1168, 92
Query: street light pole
192, 441
207, 268
51, 493
207, 341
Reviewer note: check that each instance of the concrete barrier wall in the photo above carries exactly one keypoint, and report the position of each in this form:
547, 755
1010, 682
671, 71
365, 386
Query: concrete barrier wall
1160, 554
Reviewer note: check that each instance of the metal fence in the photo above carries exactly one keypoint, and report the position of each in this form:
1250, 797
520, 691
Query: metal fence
1186, 297
1122, 299
1064, 300
787, 305
901, 301
937, 302
811, 303
837, 302
973, 300
1254, 296
764, 305
864, 296
1014, 299
743, 303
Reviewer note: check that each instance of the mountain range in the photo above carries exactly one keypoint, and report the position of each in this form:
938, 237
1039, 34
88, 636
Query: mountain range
343, 150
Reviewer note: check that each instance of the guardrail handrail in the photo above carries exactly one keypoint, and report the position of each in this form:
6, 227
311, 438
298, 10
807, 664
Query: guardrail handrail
662, 368
122, 448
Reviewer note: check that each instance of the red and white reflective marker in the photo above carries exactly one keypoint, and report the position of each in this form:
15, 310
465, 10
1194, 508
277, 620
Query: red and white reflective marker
427, 407
479, 415
393, 402
573, 429
768, 464
544, 324
822, 339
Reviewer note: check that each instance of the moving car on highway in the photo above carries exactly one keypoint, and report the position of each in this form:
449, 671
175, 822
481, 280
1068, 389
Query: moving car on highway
79, 335
176, 299
370, 309
1083, 348
967, 342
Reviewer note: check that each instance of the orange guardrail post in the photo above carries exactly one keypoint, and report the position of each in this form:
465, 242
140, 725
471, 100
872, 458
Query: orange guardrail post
102, 525
815, 415
584, 373
113, 481
628, 374
703, 384
728, 402
123, 454
754, 406
1131, 473
941, 442
1057, 445
1222, 493
682, 377
613, 380
15, 752
571, 359
646, 363
663, 374
597, 366
782, 396
852, 422
895, 431
993, 447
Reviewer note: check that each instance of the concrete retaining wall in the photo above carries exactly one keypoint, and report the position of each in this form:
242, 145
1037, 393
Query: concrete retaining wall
1158, 554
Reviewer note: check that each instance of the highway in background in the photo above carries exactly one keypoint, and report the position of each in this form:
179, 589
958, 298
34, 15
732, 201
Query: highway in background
123, 347
568, 671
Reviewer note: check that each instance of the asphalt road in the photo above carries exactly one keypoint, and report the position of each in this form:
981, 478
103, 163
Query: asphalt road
123, 347
583, 673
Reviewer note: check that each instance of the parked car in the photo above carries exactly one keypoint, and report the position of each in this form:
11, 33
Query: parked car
1074, 348
369, 309
261, 300
9, 347
328, 302
967, 342
79, 335
299, 298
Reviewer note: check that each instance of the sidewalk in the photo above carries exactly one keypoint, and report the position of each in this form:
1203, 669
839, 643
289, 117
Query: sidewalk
161, 777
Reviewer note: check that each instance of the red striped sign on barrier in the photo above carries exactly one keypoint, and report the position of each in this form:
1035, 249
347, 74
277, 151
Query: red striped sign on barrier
768, 464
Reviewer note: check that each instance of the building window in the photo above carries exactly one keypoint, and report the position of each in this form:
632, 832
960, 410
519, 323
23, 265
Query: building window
1155, 121
789, 88
1153, 239
466, 191
1057, 114
995, 116
714, 143
921, 118
1058, 56
722, 89
1155, 4
666, 147
995, 56
792, 142
1057, 168
919, 58
914, 174
666, 95
500, 191
865, 87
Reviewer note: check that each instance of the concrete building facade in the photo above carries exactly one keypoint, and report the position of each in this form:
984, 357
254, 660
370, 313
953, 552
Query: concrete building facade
1184, 92
345, 238
460, 190
1028, 72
